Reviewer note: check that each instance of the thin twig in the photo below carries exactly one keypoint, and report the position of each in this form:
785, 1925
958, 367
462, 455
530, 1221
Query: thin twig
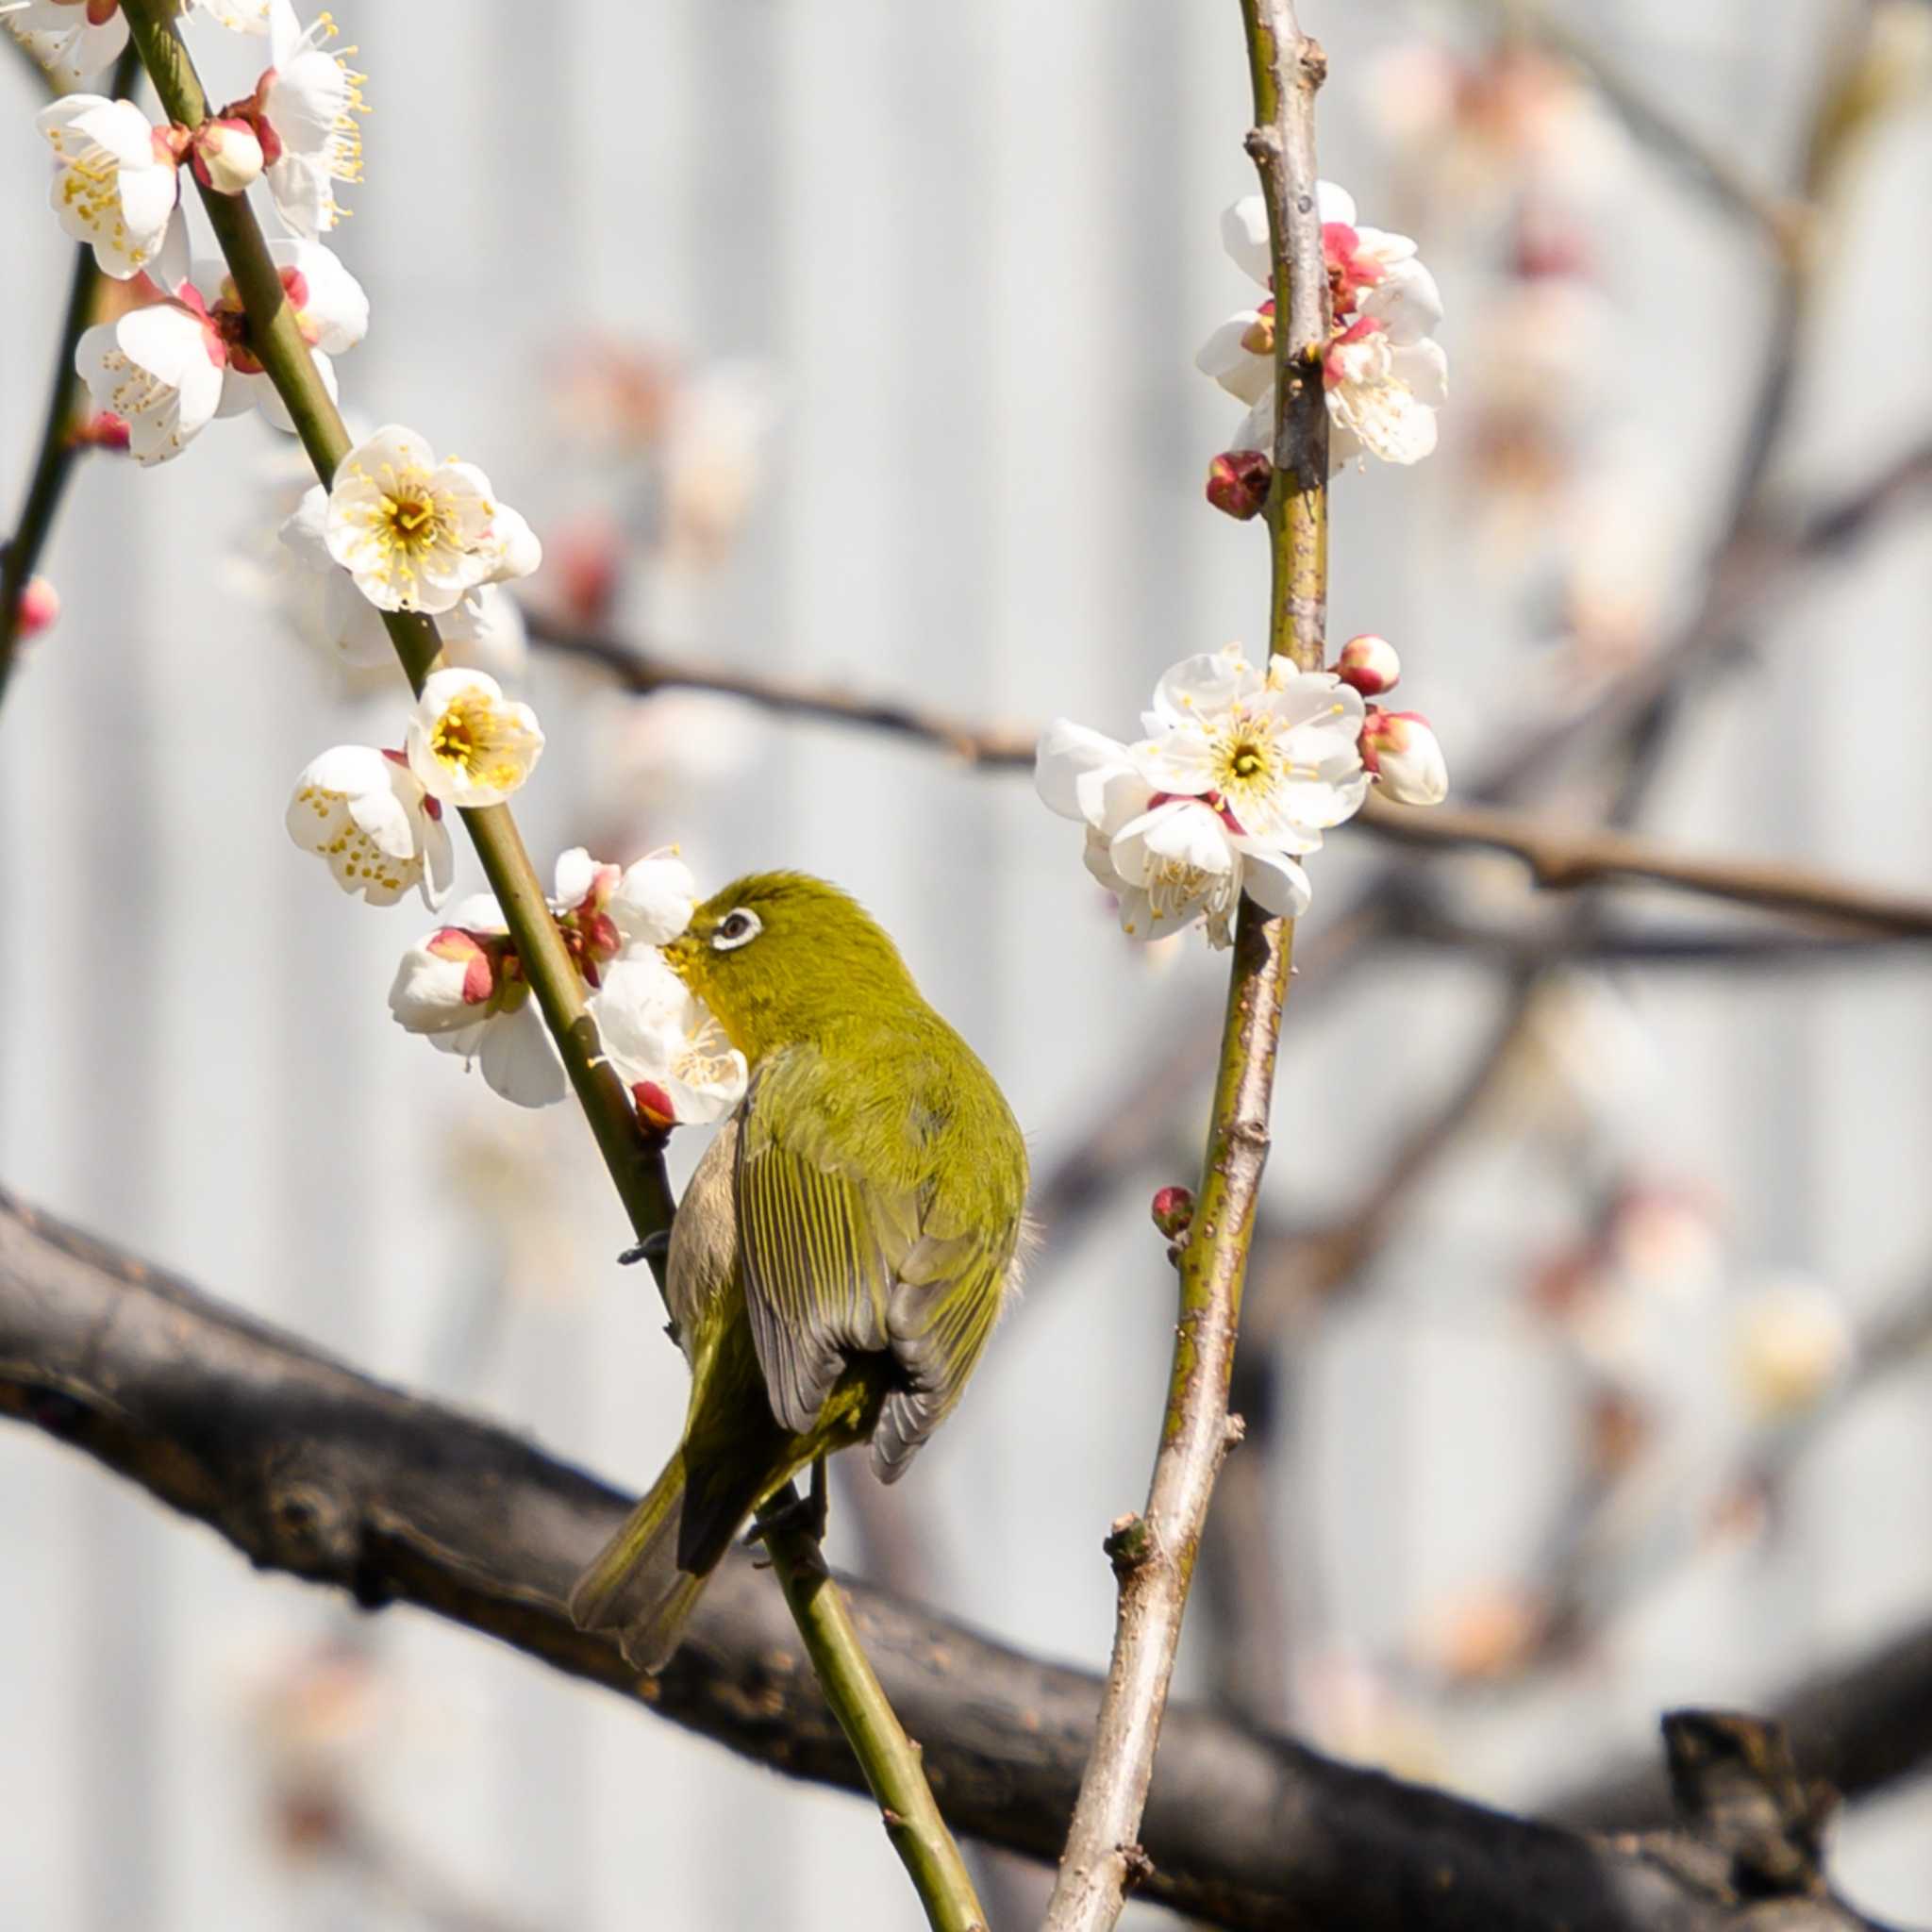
1560, 859
1786, 224
636, 1164
1154, 1552
55, 458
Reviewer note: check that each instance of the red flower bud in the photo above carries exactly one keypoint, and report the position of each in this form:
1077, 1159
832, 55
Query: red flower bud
654, 1107
1238, 483
39, 607
1173, 1212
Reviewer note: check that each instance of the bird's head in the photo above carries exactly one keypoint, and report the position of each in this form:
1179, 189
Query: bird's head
779, 957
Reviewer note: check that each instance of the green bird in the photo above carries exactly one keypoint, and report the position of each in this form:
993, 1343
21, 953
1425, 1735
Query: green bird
842, 1251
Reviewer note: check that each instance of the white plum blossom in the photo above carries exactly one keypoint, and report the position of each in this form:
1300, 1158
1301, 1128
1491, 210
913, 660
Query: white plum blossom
468, 743
330, 309
1384, 374
161, 368
462, 987
417, 534
483, 630
676, 1061
115, 179
72, 38
1239, 773
303, 111
366, 813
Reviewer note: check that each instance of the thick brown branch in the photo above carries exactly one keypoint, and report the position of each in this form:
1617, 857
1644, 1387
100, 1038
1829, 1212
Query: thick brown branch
1858, 1726
312, 1469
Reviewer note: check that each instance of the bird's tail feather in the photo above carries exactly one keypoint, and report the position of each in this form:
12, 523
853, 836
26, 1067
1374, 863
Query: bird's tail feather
647, 1579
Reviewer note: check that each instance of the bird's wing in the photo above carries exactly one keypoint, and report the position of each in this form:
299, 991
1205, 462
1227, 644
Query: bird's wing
815, 1236
945, 1304
848, 1249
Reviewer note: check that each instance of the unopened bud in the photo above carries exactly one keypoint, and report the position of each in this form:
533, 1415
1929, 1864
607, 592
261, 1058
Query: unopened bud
1399, 750
655, 1106
102, 430
1238, 483
1370, 664
227, 155
1173, 1212
39, 607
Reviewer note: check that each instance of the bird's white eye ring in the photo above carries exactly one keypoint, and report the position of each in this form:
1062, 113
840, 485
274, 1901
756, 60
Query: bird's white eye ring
739, 927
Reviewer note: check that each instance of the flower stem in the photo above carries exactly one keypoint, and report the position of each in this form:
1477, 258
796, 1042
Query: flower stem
889, 1758
54, 460
636, 1167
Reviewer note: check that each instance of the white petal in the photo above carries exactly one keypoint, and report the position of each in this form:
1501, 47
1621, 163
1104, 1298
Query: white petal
1277, 885
1334, 204
1426, 369
1381, 245
654, 900
479, 912
576, 872
1240, 371
1066, 752
302, 532
1244, 235
304, 193
439, 862
517, 550
1407, 302
1257, 428
337, 304
519, 1058
1200, 686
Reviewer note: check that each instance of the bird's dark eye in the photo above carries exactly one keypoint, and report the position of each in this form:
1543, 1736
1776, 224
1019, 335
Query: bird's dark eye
739, 927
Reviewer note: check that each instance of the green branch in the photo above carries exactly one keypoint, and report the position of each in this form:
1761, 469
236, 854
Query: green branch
58, 453
890, 1761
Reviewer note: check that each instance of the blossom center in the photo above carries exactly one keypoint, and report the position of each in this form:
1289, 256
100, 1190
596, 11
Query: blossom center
474, 737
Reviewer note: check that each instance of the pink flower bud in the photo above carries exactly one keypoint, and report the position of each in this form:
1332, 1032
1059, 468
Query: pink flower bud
1238, 483
227, 155
1370, 664
655, 1106
1173, 1212
102, 430
39, 607
1404, 754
